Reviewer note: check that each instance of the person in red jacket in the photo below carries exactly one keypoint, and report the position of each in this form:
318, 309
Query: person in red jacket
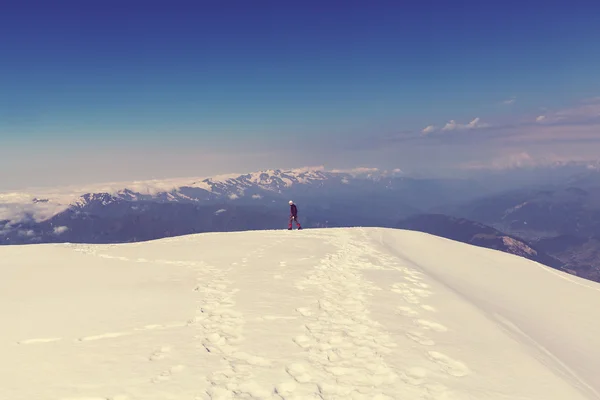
293, 216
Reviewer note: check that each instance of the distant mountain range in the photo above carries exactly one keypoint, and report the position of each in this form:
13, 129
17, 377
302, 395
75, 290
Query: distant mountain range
555, 223
227, 203
562, 220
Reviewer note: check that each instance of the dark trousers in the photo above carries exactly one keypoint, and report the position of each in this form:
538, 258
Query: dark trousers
294, 218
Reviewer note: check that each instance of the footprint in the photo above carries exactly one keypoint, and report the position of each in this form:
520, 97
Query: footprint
251, 359
411, 298
167, 374
298, 372
415, 376
302, 341
305, 312
215, 392
422, 292
428, 307
160, 354
406, 311
434, 326
420, 338
451, 366
285, 389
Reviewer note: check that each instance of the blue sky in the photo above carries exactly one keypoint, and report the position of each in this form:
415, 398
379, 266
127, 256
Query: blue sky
260, 84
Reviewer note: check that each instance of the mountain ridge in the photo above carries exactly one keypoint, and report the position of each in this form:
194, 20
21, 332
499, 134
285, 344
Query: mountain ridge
326, 198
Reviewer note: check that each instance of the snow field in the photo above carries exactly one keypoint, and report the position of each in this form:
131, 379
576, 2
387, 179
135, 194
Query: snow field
313, 314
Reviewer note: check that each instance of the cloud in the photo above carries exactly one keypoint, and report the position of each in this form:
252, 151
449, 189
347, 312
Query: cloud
356, 171
510, 101
452, 125
428, 129
586, 113
368, 172
571, 124
520, 160
58, 230
517, 160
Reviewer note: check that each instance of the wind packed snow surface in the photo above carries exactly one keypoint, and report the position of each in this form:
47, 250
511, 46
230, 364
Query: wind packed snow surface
313, 314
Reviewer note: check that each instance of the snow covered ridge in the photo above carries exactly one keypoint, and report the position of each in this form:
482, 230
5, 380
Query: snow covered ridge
320, 313
41, 204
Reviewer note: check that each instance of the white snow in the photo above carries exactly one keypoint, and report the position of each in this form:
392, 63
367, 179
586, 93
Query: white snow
313, 314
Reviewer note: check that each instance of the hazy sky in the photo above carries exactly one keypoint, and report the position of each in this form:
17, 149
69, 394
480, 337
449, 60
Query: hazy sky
132, 90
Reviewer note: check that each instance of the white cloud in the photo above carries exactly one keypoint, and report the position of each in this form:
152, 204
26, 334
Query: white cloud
450, 126
256, 196
234, 196
587, 112
60, 230
509, 101
475, 124
428, 129
356, 171
454, 126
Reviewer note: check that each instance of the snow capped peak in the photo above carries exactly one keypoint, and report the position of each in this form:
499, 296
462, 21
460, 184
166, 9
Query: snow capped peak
94, 198
274, 180
41, 204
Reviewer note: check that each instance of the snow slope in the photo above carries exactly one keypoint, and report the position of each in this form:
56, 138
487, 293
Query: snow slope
314, 314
